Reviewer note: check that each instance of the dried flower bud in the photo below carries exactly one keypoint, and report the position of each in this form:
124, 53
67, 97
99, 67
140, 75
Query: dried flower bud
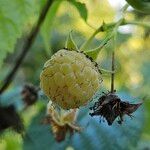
110, 106
29, 94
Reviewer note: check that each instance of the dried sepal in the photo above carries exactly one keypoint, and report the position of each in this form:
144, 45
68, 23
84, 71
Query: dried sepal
70, 44
110, 107
29, 94
61, 123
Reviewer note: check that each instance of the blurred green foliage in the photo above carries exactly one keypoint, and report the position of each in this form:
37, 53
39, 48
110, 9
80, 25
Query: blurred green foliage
132, 70
13, 17
95, 135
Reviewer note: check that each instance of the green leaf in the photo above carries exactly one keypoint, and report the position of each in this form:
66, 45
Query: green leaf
10, 140
140, 5
48, 23
81, 7
94, 136
13, 16
70, 44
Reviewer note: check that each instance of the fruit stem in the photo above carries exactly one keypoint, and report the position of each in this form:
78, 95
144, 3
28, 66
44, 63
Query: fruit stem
115, 30
113, 71
125, 22
105, 27
86, 44
125, 8
143, 24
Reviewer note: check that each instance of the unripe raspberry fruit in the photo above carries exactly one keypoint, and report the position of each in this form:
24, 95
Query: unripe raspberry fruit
70, 79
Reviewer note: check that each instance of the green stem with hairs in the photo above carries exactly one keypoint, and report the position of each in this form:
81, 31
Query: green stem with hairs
113, 74
86, 44
108, 26
105, 27
142, 24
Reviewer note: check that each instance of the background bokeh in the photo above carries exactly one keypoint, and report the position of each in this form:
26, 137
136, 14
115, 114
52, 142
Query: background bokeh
131, 80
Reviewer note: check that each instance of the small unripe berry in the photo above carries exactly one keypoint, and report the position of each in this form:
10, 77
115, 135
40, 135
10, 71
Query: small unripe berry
70, 79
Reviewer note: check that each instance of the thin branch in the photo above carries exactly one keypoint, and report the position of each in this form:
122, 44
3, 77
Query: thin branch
27, 45
142, 24
86, 44
125, 7
105, 27
113, 71
113, 54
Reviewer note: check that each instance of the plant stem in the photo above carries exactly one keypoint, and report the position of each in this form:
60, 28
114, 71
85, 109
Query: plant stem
112, 69
113, 55
125, 22
86, 44
109, 35
143, 24
106, 27
27, 45
125, 8
103, 43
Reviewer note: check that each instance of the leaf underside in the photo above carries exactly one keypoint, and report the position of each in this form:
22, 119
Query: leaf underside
96, 135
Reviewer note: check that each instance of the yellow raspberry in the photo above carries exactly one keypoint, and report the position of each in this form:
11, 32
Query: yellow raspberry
70, 79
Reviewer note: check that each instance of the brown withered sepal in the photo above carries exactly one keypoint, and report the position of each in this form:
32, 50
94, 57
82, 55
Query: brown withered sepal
29, 94
60, 131
110, 107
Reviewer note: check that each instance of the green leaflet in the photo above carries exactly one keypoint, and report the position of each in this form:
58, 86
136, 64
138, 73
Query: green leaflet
81, 7
13, 16
48, 23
